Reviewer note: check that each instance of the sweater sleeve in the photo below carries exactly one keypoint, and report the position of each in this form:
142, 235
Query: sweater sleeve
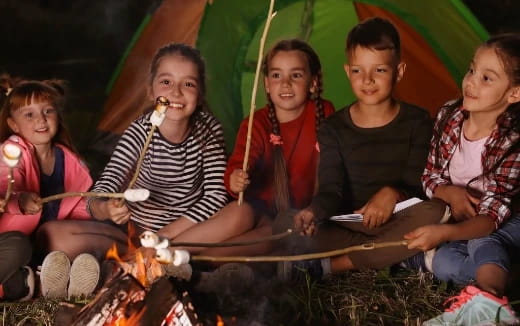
213, 164
121, 165
236, 159
331, 174
420, 137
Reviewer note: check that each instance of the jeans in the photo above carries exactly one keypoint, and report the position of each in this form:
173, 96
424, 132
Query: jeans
458, 261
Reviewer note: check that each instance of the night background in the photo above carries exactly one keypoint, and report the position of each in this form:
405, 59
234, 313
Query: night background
82, 41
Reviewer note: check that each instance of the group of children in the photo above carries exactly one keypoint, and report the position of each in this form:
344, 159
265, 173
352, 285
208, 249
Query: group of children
306, 164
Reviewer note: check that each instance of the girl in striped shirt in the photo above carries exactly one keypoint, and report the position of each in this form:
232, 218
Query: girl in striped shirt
183, 167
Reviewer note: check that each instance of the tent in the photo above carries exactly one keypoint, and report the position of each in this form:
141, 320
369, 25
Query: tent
438, 40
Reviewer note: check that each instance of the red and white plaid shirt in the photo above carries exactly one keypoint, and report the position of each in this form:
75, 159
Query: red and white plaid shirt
500, 185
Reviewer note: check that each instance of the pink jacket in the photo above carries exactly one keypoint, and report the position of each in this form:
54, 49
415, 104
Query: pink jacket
27, 179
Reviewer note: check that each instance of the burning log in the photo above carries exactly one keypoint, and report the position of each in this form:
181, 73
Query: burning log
124, 301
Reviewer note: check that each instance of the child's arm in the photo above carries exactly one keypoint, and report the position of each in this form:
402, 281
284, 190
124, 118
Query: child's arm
458, 199
109, 210
430, 236
235, 179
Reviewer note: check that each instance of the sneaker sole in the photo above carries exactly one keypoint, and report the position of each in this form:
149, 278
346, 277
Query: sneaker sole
54, 275
84, 275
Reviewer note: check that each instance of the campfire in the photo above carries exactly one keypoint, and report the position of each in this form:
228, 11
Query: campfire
138, 292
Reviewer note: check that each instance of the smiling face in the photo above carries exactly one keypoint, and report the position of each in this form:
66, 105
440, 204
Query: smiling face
486, 86
373, 74
289, 82
177, 80
37, 122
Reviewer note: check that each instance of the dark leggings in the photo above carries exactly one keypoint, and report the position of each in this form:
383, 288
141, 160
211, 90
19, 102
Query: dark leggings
15, 252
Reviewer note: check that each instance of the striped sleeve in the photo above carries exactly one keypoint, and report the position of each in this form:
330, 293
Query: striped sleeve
121, 165
214, 195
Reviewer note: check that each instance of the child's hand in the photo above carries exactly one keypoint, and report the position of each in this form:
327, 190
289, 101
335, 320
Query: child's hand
426, 237
304, 221
238, 181
461, 203
110, 209
29, 203
379, 208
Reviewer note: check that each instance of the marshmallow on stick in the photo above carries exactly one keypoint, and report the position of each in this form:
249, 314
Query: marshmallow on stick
133, 195
179, 257
11, 155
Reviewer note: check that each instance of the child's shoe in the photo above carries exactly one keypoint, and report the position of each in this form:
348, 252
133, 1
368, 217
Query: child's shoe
54, 275
20, 286
84, 275
298, 270
476, 308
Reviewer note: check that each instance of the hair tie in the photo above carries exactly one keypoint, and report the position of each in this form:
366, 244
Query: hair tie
275, 139
8, 91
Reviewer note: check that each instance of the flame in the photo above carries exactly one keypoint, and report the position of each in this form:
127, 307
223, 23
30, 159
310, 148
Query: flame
113, 254
220, 322
141, 269
130, 321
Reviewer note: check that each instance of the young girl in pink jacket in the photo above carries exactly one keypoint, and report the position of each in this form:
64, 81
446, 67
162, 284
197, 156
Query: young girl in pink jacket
31, 120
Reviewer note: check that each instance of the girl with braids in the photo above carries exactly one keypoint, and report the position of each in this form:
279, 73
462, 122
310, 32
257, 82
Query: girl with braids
283, 155
474, 166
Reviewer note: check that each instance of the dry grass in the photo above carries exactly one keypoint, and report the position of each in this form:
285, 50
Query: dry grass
356, 298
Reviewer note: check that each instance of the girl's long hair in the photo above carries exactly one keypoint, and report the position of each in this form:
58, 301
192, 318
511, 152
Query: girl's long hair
280, 178
16, 93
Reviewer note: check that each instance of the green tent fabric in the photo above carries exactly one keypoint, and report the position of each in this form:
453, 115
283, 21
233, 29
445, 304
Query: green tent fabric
438, 41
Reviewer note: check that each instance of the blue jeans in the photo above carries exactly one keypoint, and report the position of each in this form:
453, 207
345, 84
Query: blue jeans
458, 261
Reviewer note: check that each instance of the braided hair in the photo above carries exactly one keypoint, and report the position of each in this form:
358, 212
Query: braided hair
281, 187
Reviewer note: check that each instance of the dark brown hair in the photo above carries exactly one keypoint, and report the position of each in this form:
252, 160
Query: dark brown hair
18, 93
282, 196
374, 33
193, 55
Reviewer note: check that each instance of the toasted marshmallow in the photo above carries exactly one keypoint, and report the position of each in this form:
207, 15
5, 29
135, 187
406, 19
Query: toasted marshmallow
134, 195
11, 154
149, 239
164, 256
181, 257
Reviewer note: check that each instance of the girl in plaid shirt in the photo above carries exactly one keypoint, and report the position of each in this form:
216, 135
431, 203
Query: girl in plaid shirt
474, 166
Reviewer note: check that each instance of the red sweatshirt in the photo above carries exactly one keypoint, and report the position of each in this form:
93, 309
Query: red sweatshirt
299, 150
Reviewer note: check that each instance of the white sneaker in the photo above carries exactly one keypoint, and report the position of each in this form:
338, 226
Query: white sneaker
54, 275
84, 275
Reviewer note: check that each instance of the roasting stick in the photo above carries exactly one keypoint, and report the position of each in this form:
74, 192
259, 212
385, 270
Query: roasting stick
151, 240
270, 16
11, 155
157, 117
133, 195
179, 257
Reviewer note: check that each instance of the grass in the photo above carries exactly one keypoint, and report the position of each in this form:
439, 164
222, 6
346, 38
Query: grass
355, 298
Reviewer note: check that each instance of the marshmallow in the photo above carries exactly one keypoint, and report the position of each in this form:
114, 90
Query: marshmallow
134, 195
11, 154
157, 118
164, 256
148, 239
181, 257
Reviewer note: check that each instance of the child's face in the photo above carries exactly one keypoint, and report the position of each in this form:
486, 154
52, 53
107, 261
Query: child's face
486, 86
177, 80
36, 122
289, 81
373, 74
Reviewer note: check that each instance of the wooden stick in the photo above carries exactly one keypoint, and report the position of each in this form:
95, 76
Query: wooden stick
232, 244
326, 254
270, 16
82, 194
10, 182
141, 156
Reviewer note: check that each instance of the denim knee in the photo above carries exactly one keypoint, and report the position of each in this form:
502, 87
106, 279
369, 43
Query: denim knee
452, 263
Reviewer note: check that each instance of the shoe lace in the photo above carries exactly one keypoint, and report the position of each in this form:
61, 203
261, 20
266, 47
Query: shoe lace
457, 301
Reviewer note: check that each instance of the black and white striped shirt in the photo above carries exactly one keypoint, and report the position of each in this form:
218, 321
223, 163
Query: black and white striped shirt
185, 180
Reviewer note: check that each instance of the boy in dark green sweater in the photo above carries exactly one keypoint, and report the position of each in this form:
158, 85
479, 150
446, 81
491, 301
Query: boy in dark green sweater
372, 154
